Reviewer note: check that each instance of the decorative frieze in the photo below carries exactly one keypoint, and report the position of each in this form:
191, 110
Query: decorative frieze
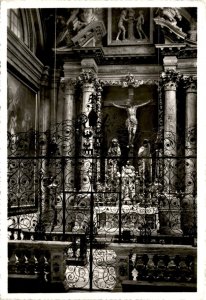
128, 81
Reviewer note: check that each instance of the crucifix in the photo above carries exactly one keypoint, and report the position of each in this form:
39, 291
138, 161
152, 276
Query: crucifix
131, 121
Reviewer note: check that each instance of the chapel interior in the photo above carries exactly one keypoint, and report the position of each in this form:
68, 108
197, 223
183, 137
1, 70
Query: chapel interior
102, 181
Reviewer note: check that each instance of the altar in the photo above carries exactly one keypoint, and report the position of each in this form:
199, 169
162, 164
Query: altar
133, 218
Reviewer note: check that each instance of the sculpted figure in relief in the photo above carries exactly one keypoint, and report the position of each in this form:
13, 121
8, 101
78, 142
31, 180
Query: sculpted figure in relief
121, 25
170, 13
79, 18
86, 17
140, 22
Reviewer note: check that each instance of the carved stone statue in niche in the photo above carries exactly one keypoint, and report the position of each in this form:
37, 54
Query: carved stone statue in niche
121, 27
131, 121
145, 163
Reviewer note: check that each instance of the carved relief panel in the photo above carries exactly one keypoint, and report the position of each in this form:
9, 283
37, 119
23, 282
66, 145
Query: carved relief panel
130, 26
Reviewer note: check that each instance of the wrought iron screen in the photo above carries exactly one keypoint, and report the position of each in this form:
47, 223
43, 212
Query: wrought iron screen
62, 186
121, 198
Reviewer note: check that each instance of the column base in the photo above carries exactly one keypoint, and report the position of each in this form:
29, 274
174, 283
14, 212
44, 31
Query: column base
170, 215
189, 215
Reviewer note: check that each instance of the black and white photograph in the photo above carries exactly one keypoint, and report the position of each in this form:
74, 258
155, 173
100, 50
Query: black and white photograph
101, 130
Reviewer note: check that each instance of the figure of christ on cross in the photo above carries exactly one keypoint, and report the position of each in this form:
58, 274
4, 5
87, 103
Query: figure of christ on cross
131, 121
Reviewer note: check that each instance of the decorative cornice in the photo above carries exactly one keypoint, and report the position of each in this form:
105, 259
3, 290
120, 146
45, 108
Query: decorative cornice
180, 50
107, 82
188, 53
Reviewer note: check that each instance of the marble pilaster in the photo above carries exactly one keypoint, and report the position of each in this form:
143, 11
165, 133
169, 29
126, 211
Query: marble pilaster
55, 81
44, 125
44, 109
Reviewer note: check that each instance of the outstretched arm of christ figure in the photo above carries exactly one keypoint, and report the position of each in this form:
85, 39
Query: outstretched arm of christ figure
118, 106
143, 104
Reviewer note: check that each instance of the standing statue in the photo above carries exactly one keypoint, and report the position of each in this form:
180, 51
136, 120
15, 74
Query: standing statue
114, 153
131, 122
145, 165
140, 22
128, 181
121, 25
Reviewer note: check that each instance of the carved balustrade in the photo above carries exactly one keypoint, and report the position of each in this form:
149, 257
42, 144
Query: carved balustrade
153, 265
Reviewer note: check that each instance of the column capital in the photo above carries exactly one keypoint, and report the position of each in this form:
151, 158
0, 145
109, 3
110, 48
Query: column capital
170, 79
190, 84
68, 85
87, 77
